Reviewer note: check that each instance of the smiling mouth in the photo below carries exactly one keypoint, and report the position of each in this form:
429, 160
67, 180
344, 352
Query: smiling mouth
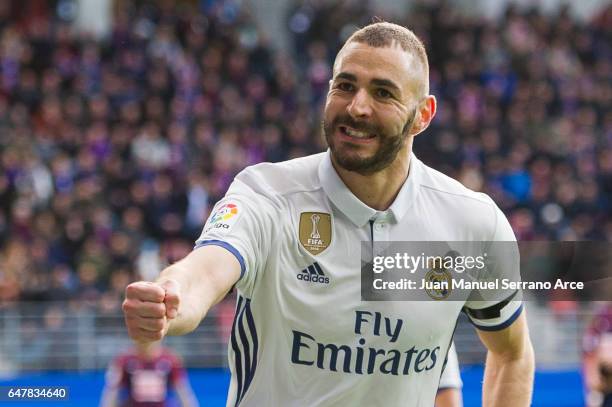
355, 134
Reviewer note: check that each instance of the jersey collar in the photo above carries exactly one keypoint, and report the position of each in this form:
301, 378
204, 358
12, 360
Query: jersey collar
358, 212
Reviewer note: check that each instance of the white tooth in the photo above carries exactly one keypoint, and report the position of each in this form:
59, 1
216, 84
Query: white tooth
354, 133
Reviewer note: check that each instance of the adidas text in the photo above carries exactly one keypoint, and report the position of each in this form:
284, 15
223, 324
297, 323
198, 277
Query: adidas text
314, 279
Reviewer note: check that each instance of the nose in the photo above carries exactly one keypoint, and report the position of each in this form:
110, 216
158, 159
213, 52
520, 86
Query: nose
361, 105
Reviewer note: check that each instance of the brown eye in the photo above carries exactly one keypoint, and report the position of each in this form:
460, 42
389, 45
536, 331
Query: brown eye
383, 93
345, 86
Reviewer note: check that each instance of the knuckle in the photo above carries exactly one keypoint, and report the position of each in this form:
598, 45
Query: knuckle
126, 306
151, 325
130, 289
159, 310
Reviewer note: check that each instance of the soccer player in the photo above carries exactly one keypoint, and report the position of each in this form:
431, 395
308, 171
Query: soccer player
145, 376
287, 237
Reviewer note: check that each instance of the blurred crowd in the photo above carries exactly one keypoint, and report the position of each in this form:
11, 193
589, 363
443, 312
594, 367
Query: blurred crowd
112, 152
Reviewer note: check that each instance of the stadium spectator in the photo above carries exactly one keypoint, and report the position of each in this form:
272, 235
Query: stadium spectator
149, 375
597, 357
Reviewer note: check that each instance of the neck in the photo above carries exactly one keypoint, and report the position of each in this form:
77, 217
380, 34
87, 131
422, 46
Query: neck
380, 189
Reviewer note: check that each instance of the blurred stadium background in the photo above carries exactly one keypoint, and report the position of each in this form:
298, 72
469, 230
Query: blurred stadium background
122, 122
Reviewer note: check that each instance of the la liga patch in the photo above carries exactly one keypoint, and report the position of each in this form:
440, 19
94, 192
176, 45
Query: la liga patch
223, 217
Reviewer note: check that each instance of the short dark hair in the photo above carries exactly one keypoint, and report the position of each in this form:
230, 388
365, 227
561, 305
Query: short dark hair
385, 34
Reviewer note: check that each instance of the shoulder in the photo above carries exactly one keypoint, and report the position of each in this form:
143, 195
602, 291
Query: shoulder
118, 367
280, 179
467, 208
437, 183
123, 359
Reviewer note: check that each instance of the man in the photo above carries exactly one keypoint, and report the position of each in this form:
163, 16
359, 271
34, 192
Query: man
287, 237
145, 376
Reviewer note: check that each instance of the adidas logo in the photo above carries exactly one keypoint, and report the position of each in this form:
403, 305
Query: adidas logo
313, 273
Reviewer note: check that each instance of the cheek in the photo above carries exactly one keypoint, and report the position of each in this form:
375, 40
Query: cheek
331, 109
395, 120
392, 123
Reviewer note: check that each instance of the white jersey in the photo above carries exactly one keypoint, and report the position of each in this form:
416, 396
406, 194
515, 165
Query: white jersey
302, 336
451, 376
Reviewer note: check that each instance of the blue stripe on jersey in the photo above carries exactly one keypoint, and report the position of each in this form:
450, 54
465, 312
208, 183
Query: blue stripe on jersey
227, 247
501, 326
241, 346
251, 323
237, 353
244, 341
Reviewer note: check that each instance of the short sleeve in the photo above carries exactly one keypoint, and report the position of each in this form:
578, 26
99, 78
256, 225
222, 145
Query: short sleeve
242, 224
493, 309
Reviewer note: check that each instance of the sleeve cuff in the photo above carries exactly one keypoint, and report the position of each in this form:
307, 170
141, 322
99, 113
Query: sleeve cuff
501, 326
227, 247
442, 388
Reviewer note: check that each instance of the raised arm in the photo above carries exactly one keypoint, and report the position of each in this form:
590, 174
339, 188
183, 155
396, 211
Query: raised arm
180, 298
509, 370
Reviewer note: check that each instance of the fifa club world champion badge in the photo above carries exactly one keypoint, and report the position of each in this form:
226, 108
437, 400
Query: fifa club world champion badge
315, 231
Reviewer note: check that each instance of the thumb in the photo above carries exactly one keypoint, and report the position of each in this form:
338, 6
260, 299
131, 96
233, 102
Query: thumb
171, 299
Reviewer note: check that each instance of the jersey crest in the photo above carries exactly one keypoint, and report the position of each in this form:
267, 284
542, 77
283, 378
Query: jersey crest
315, 231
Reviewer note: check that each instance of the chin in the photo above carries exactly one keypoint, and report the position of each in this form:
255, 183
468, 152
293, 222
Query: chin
352, 157
354, 162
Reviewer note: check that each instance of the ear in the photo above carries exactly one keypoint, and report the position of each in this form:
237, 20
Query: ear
425, 114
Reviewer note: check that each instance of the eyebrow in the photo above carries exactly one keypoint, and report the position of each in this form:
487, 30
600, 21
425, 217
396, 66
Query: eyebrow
347, 76
386, 83
376, 81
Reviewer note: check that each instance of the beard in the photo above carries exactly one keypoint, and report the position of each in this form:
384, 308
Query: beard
388, 149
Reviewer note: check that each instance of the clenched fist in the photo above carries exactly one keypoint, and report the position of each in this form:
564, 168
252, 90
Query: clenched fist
148, 309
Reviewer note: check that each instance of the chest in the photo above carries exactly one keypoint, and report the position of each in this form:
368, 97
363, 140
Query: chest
316, 284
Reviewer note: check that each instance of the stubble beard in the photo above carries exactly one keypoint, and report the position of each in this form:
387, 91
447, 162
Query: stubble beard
388, 149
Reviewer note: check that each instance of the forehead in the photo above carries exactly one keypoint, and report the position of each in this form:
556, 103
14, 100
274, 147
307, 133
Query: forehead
366, 63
